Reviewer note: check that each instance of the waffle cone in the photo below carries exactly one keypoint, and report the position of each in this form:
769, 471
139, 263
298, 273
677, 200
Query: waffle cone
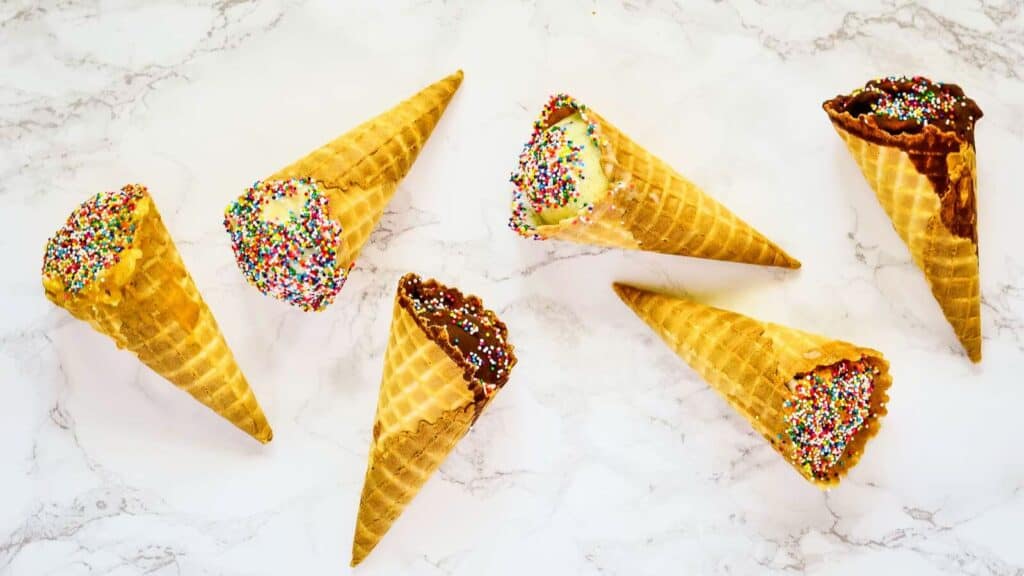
360, 170
909, 196
750, 363
148, 304
425, 407
649, 206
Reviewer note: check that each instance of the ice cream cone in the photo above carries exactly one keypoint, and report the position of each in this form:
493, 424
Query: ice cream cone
907, 191
752, 364
430, 395
147, 303
360, 170
650, 206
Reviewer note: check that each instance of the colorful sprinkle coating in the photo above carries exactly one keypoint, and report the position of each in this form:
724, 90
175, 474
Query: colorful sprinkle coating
294, 258
473, 331
93, 237
829, 406
549, 167
914, 98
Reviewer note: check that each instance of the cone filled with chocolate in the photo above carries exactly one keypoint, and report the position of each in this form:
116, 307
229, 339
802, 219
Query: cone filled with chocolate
582, 180
114, 265
914, 142
816, 400
297, 233
447, 357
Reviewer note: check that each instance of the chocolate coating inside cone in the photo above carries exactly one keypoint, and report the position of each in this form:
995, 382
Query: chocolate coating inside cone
901, 104
471, 335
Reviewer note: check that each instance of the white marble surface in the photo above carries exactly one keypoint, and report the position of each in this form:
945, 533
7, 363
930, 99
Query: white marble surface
605, 454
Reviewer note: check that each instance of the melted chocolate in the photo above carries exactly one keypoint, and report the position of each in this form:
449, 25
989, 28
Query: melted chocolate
906, 105
463, 325
927, 120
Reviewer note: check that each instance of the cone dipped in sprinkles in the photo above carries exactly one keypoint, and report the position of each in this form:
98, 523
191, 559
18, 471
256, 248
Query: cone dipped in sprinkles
296, 234
816, 400
114, 265
914, 142
582, 180
447, 357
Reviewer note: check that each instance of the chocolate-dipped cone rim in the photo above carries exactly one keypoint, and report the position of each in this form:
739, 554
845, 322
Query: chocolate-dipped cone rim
929, 138
927, 132
440, 336
930, 150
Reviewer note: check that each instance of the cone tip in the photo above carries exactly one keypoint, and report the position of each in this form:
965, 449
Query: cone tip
782, 259
971, 341
266, 436
358, 555
623, 290
454, 78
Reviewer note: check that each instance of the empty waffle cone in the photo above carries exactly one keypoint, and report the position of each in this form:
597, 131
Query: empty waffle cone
649, 206
360, 170
750, 363
428, 400
926, 183
148, 304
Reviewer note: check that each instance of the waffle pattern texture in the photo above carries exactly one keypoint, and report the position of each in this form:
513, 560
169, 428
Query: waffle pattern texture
151, 306
949, 262
360, 170
650, 206
750, 363
426, 405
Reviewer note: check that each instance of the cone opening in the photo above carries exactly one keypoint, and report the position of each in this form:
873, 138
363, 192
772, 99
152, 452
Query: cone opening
910, 105
98, 236
562, 174
471, 335
831, 413
286, 244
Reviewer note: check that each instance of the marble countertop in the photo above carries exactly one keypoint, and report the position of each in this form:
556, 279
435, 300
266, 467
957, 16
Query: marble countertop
605, 454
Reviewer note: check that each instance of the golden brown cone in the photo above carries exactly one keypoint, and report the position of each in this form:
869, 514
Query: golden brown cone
150, 306
649, 206
425, 407
750, 363
949, 262
400, 466
360, 170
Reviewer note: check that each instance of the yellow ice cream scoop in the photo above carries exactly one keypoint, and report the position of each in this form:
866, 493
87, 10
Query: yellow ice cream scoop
559, 173
286, 243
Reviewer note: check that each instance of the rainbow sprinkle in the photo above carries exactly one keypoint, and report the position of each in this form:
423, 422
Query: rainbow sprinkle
294, 260
481, 342
829, 406
924, 102
549, 167
93, 237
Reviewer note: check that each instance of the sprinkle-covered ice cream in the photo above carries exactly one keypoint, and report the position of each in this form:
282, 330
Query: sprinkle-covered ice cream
94, 238
461, 321
286, 244
828, 408
906, 104
559, 175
